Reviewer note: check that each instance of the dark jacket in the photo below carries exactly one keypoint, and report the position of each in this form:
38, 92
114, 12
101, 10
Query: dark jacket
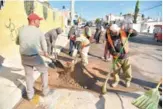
118, 44
73, 31
51, 35
87, 29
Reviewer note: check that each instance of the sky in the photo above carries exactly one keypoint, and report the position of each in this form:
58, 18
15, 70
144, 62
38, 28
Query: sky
91, 10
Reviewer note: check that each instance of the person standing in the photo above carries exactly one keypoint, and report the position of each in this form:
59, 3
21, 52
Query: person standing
106, 55
87, 31
32, 43
73, 33
98, 32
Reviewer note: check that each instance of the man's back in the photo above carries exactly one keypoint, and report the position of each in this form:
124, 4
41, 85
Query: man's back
31, 40
51, 35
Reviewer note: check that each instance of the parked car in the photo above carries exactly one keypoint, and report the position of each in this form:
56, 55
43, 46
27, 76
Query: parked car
157, 33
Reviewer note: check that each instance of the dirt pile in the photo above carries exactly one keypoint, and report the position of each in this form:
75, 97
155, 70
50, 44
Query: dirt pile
63, 78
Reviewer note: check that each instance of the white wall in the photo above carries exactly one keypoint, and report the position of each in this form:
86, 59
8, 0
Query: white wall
144, 27
137, 27
113, 18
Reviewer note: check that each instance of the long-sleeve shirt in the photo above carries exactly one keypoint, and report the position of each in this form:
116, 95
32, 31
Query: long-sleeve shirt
117, 43
51, 36
74, 33
87, 32
32, 41
84, 40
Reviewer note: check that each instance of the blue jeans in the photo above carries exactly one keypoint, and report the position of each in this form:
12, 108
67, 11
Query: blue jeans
72, 46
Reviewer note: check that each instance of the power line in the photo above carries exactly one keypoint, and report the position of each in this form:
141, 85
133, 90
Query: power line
151, 8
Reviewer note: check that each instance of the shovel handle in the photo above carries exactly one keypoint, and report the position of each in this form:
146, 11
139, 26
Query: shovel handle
159, 83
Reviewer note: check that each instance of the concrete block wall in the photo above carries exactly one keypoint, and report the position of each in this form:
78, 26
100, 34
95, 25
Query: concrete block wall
13, 16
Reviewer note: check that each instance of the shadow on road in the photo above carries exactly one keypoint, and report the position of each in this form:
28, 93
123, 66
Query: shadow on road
8, 73
101, 103
101, 71
145, 40
90, 54
87, 79
144, 83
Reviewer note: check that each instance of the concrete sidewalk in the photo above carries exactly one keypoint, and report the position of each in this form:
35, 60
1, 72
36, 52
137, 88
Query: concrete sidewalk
70, 99
12, 79
67, 99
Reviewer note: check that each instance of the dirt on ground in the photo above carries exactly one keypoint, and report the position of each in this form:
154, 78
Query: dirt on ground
75, 77
89, 78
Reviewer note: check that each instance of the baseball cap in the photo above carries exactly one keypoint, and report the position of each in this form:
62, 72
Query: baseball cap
34, 16
114, 28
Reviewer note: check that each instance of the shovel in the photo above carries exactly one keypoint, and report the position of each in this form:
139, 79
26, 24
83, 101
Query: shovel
56, 62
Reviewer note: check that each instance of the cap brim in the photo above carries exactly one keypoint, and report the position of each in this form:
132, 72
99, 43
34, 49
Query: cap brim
40, 18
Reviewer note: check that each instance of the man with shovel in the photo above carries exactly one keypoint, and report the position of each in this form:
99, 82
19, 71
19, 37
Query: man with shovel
117, 39
32, 43
51, 37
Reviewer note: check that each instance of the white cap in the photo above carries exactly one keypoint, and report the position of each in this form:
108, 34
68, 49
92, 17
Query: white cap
114, 28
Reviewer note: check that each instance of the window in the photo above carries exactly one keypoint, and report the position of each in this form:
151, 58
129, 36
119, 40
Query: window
1, 4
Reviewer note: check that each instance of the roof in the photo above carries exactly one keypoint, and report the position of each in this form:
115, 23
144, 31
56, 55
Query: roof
158, 26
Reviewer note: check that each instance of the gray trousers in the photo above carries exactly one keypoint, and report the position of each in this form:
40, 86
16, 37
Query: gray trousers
50, 47
28, 66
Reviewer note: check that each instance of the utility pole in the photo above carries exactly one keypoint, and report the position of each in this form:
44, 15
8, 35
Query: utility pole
72, 11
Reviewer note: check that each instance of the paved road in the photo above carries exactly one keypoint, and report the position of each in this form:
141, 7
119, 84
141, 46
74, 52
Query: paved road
146, 59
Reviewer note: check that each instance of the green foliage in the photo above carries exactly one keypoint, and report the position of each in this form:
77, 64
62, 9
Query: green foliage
143, 16
120, 13
97, 21
45, 12
29, 7
136, 11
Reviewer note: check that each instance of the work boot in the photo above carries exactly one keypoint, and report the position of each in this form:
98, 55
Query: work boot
29, 98
115, 84
103, 58
127, 83
107, 59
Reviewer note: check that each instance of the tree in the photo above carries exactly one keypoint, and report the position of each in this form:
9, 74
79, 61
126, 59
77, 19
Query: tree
148, 17
136, 11
142, 16
97, 21
46, 3
63, 7
120, 13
